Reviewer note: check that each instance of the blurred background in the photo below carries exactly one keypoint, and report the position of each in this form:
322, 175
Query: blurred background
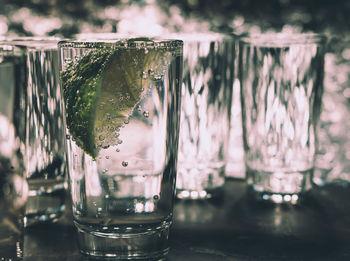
66, 18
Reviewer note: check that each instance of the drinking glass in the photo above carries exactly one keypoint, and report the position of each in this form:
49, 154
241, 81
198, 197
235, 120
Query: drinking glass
205, 117
45, 155
13, 185
122, 106
281, 78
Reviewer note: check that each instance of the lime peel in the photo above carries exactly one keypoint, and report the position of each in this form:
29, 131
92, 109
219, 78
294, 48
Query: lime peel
103, 88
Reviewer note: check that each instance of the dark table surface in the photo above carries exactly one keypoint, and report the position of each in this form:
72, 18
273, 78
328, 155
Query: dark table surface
232, 227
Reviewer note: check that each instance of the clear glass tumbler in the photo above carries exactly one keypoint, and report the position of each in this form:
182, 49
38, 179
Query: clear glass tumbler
122, 106
205, 117
281, 78
45, 156
13, 184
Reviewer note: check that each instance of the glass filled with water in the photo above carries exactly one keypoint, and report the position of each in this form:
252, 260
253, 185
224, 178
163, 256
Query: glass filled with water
13, 184
122, 107
281, 78
45, 156
207, 88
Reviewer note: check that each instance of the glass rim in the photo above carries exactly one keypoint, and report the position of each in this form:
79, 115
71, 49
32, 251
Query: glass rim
201, 36
281, 39
139, 42
32, 42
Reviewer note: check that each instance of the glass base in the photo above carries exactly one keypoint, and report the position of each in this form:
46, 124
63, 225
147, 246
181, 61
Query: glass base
199, 183
46, 203
279, 186
201, 194
146, 244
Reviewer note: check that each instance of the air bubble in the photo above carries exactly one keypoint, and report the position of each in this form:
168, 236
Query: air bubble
107, 157
144, 75
105, 170
157, 77
146, 114
117, 150
67, 137
126, 121
125, 163
101, 137
120, 141
155, 197
150, 72
105, 147
139, 108
108, 117
146, 51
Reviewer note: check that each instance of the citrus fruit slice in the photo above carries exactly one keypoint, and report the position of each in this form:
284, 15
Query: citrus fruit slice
102, 89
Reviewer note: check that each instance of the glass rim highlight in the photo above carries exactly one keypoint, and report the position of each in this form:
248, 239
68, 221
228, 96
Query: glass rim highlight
32, 42
139, 42
280, 40
202, 37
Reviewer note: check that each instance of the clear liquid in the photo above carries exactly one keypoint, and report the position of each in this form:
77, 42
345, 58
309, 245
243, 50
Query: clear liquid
129, 187
279, 181
205, 116
46, 140
281, 90
13, 186
114, 208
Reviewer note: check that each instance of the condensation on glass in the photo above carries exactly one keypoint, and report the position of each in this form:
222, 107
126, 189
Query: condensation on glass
281, 78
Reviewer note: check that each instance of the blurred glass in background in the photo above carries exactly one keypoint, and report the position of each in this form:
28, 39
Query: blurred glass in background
205, 113
45, 140
13, 185
154, 17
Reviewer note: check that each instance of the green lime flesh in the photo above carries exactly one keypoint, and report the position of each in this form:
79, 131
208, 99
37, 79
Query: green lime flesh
102, 89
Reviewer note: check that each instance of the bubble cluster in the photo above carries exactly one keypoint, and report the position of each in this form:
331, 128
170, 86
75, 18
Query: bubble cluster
146, 114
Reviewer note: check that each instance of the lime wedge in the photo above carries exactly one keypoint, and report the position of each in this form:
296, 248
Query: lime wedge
102, 89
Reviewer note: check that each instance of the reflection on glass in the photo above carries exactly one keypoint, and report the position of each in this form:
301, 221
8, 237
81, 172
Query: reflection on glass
13, 185
45, 135
281, 80
205, 114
